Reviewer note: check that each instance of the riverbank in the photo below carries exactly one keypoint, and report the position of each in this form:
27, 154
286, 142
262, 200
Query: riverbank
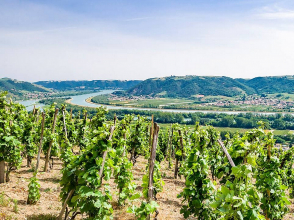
89, 100
85, 100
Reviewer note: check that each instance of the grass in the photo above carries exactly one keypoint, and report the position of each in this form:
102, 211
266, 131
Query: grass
152, 102
4, 201
15, 206
5, 216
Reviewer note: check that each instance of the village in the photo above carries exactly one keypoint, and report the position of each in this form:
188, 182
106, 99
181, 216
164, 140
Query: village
261, 101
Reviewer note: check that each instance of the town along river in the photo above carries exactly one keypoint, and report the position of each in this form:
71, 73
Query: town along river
81, 101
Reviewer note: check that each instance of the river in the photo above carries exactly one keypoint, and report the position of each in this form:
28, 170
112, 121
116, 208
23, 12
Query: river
29, 104
81, 100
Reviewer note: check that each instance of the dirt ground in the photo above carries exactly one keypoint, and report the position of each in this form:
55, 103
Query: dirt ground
13, 195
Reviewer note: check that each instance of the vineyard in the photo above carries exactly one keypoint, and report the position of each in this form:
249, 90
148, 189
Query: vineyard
56, 165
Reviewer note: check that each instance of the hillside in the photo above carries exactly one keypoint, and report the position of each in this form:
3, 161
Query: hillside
270, 84
18, 88
89, 85
187, 86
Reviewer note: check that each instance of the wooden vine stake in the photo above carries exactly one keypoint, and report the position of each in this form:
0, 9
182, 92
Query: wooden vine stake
170, 147
125, 137
151, 131
51, 142
168, 144
176, 174
41, 141
65, 204
151, 164
37, 116
34, 109
177, 160
182, 145
226, 153
64, 124
2, 171
29, 158
70, 113
176, 167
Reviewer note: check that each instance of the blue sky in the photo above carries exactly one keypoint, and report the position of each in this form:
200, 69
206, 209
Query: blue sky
131, 39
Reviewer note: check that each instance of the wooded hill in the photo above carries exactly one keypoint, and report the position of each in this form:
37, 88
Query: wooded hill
89, 85
173, 86
187, 86
17, 88
270, 84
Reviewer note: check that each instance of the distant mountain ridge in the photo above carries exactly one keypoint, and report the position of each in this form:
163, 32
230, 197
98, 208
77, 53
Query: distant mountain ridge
18, 88
270, 84
187, 86
89, 85
173, 86
184, 86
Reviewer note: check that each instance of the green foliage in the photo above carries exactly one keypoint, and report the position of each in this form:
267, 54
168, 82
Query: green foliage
199, 190
49, 136
161, 149
215, 154
158, 183
138, 140
269, 183
82, 127
270, 84
34, 191
100, 118
81, 175
31, 136
12, 117
122, 166
238, 199
144, 210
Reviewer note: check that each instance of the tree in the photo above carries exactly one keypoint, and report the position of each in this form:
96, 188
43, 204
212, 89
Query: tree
279, 124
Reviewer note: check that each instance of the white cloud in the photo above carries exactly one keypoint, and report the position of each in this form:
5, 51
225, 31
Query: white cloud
278, 15
275, 11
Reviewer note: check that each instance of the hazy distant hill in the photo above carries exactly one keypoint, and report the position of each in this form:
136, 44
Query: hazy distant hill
17, 88
270, 84
89, 85
186, 86
173, 86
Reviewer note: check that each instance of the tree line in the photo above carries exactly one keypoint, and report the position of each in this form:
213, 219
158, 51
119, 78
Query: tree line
243, 120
